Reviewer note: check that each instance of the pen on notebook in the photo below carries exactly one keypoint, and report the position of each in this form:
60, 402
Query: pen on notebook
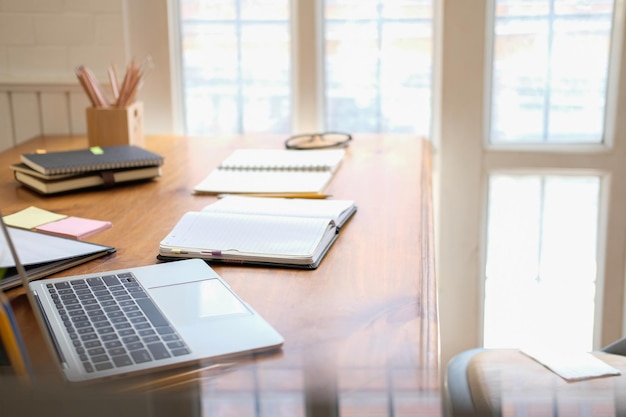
280, 195
212, 252
179, 251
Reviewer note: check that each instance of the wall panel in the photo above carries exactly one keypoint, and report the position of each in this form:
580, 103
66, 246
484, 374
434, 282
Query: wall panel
55, 118
6, 124
78, 120
26, 115
28, 110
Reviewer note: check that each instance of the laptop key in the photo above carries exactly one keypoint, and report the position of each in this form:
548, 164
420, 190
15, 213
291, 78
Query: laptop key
152, 312
175, 345
88, 367
140, 356
96, 351
150, 339
180, 352
158, 350
109, 337
95, 282
134, 346
165, 330
123, 360
110, 280
104, 366
116, 351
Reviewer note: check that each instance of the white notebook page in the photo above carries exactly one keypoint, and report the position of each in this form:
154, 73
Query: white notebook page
327, 159
227, 181
296, 207
219, 232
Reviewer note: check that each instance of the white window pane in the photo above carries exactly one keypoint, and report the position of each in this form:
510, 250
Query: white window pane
541, 261
378, 65
550, 63
236, 66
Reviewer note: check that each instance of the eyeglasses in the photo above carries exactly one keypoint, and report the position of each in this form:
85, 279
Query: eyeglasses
318, 140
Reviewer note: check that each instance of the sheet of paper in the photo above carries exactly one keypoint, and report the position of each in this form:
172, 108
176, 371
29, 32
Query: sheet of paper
573, 366
295, 207
320, 159
31, 217
231, 181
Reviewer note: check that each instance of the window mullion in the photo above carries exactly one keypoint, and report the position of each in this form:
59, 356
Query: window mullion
307, 66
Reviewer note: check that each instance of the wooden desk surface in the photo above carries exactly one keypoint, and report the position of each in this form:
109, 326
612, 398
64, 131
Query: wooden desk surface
361, 330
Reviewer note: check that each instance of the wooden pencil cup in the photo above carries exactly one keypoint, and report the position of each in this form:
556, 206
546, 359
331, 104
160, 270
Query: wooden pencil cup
113, 126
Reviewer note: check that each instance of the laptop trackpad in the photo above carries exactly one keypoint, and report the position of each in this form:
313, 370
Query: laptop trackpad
192, 302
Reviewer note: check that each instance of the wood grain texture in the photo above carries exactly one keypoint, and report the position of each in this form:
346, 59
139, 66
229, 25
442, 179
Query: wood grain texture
360, 331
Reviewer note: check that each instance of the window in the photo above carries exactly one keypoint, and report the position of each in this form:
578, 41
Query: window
237, 65
541, 261
531, 212
542, 230
550, 68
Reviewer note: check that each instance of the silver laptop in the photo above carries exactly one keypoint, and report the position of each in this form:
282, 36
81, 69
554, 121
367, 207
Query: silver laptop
138, 319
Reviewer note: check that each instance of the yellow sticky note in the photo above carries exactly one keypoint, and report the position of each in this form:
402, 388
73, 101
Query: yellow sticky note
96, 150
32, 217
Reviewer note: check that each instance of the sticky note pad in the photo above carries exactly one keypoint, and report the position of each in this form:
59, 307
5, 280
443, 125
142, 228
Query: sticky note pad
32, 217
74, 227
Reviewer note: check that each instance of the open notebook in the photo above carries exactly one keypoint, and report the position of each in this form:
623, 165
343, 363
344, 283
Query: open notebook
285, 232
115, 323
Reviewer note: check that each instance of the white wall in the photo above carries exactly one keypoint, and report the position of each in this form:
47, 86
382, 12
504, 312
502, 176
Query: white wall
46, 39
41, 41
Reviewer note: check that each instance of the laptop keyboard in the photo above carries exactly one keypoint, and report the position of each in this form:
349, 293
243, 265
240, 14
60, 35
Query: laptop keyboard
113, 323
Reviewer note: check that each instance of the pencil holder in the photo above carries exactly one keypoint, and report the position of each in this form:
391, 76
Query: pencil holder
113, 126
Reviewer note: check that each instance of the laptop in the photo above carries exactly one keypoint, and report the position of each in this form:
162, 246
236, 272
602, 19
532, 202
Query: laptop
140, 319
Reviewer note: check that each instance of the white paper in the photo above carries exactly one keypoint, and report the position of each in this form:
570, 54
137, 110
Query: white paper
573, 366
293, 207
269, 235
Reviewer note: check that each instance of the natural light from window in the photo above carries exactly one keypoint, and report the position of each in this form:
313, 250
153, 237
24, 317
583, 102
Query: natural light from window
541, 261
550, 69
376, 66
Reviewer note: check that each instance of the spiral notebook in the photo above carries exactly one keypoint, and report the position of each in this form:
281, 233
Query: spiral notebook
91, 159
273, 172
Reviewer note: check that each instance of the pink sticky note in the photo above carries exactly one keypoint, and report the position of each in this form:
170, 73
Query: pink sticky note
74, 227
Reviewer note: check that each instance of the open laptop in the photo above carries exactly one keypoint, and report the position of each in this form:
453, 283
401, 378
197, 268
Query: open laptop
125, 321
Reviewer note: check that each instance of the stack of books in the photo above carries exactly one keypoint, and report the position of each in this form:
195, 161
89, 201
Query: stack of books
97, 167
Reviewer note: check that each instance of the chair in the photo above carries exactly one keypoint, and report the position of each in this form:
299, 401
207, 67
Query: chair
492, 382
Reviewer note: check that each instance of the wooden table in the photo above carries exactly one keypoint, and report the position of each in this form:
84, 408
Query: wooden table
361, 335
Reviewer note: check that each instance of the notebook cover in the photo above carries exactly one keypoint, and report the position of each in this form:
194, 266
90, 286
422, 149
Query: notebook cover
90, 180
91, 159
